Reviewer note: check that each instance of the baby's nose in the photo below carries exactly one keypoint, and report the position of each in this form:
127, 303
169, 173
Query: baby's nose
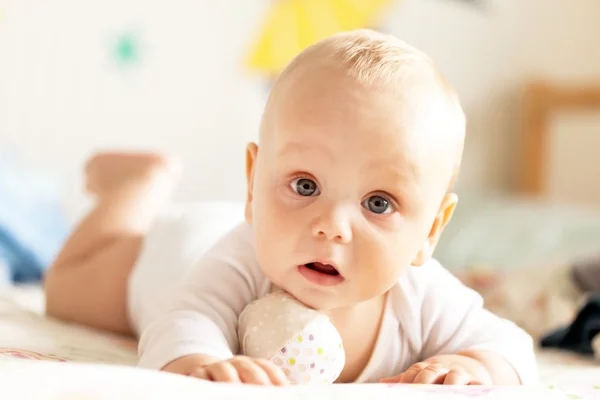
333, 225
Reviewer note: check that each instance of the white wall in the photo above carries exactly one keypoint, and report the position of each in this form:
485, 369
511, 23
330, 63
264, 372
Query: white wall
62, 95
489, 55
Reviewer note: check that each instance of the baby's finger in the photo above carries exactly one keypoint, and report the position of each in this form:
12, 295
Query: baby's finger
475, 383
223, 372
410, 374
457, 376
200, 373
393, 379
250, 372
275, 373
431, 374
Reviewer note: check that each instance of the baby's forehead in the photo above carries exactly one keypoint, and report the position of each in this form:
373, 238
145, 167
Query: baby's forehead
325, 97
381, 134
391, 130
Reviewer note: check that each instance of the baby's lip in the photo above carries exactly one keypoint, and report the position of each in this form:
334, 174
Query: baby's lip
321, 273
324, 266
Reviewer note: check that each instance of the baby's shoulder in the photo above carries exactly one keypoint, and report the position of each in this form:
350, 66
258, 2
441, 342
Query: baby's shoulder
235, 251
236, 243
430, 274
427, 285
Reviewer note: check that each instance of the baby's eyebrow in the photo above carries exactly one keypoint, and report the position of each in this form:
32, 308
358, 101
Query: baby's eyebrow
294, 148
403, 171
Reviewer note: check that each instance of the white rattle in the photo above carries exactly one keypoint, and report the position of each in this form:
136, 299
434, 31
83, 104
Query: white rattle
300, 340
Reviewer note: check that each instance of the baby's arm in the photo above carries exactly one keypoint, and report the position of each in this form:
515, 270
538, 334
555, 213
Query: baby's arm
463, 343
196, 331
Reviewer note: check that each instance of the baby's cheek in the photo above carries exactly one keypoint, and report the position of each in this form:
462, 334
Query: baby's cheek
269, 258
373, 282
275, 222
380, 270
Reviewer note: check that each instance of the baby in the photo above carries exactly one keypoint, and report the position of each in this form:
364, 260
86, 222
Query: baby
347, 196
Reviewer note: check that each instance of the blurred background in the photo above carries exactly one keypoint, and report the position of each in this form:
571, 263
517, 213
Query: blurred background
80, 76
190, 77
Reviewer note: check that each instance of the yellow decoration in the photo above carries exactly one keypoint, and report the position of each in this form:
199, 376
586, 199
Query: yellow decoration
293, 25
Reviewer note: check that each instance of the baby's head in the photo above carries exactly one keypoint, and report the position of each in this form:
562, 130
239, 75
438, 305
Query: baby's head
360, 143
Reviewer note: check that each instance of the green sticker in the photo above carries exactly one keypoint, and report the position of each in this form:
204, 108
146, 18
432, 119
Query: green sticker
127, 49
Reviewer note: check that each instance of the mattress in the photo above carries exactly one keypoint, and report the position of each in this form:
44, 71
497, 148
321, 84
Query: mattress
46, 359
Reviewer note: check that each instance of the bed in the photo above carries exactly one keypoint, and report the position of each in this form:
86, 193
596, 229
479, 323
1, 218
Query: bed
44, 358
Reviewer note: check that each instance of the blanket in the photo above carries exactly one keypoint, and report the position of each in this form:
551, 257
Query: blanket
42, 358
33, 224
73, 381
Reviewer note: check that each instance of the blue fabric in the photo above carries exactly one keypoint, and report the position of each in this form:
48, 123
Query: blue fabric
32, 222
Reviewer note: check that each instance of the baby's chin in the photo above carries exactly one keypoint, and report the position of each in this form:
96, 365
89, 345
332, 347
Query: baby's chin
302, 295
315, 300
319, 298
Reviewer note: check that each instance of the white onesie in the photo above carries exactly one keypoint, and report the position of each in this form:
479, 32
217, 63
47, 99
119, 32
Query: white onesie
196, 274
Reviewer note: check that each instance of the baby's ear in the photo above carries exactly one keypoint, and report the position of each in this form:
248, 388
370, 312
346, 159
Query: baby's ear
441, 220
251, 154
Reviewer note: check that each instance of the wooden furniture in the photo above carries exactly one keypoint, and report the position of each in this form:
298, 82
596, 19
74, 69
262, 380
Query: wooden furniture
541, 102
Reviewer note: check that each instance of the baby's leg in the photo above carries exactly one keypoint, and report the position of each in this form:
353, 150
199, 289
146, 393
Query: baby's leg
87, 283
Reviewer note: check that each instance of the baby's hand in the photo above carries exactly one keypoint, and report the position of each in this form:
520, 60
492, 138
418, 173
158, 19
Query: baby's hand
242, 370
434, 373
238, 369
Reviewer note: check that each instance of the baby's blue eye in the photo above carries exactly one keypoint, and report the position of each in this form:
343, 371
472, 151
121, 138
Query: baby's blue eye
378, 205
305, 187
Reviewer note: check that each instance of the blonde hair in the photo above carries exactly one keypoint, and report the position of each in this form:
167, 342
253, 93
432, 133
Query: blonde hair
374, 59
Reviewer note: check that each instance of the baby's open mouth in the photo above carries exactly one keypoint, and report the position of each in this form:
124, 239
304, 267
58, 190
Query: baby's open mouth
322, 268
321, 274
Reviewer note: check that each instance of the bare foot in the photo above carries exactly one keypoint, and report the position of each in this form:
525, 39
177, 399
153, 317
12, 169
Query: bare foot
115, 174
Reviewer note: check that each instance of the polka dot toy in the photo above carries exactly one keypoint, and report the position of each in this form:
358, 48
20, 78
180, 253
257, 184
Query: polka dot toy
300, 340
